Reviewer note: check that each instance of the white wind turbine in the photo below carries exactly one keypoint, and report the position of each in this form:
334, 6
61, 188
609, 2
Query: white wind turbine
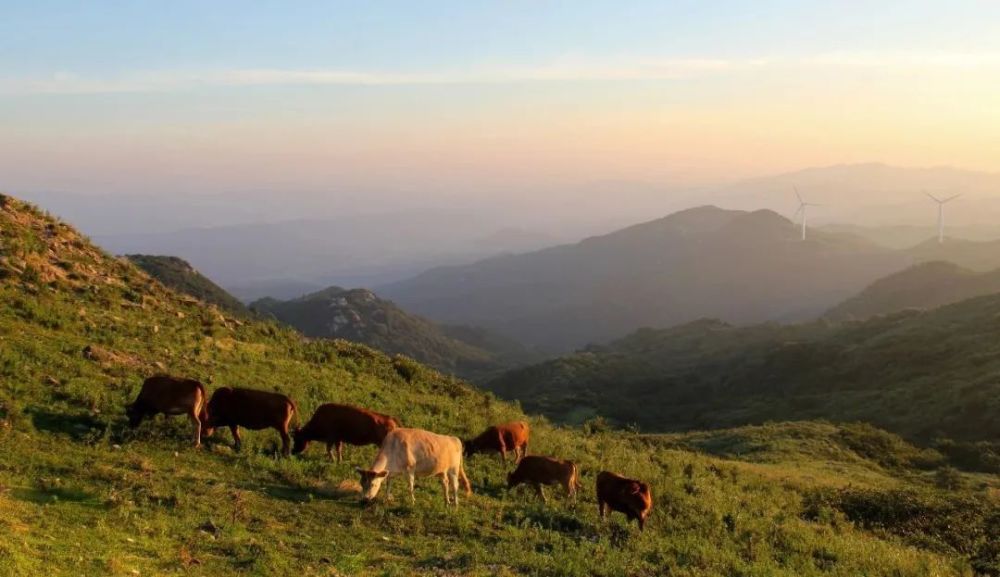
803, 205
941, 202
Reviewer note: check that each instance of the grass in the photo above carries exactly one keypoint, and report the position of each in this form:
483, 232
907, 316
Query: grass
80, 494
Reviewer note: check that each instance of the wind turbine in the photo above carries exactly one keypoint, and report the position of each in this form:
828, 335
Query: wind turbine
941, 202
803, 205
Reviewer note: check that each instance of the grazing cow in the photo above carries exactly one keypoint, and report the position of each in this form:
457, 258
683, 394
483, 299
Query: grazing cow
416, 453
338, 424
255, 410
500, 439
537, 471
170, 396
624, 495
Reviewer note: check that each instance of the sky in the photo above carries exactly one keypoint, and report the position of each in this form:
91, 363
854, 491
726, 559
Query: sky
440, 101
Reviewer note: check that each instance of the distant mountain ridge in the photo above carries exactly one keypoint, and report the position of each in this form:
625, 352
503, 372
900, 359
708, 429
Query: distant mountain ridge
179, 275
923, 286
359, 315
741, 266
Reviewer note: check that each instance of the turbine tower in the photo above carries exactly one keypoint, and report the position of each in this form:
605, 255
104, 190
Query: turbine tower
803, 205
941, 202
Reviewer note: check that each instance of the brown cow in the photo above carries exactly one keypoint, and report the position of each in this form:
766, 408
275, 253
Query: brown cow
255, 410
538, 471
170, 396
511, 436
338, 424
624, 495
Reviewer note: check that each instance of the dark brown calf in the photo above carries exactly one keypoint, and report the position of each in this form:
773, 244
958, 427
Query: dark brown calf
255, 410
624, 495
537, 471
169, 396
338, 424
500, 439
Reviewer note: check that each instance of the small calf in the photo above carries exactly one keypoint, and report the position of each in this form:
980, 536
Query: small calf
511, 436
255, 410
170, 396
537, 471
338, 424
624, 495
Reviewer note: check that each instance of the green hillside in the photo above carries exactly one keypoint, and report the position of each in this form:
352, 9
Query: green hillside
359, 315
923, 286
81, 495
921, 374
177, 274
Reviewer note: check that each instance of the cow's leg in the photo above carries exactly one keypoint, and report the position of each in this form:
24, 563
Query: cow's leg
444, 486
541, 492
286, 441
237, 441
503, 457
340, 451
193, 415
601, 508
455, 478
388, 492
329, 451
412, 477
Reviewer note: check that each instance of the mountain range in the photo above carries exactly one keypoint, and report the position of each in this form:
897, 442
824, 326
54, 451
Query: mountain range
740, 266
359, 315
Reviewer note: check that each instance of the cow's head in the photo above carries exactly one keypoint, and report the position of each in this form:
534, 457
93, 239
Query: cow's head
134, 415
301, 441
469, 447
371, 482
640, 501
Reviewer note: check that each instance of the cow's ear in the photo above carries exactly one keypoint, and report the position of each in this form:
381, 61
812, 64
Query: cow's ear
360, 470
382, 474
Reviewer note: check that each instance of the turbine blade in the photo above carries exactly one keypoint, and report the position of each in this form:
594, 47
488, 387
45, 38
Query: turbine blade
950, 198
934, 198
797, 195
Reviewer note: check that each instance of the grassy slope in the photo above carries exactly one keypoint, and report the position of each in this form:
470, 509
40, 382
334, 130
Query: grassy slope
81, 496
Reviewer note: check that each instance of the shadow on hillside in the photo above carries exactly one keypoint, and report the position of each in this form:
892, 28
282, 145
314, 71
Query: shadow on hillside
79, 427
43, 496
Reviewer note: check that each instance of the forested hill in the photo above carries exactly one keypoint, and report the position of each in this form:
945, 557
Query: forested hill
921, 374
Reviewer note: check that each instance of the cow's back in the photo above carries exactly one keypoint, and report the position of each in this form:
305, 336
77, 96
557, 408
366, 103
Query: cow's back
546, 470
249, 408
353, 425
424, 452
165, 393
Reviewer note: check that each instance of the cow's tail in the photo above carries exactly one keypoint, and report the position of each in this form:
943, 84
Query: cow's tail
294, 416
576, 478
203, 409
464, 480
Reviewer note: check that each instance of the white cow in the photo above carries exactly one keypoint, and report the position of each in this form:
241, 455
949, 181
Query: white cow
416, 453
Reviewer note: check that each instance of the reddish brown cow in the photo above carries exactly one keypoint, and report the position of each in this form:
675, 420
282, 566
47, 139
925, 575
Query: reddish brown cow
255, 410
511, 436
170, 396
338, 424
624, 495
537, 471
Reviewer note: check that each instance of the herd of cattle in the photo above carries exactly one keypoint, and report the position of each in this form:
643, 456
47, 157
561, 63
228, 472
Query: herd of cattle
403, 451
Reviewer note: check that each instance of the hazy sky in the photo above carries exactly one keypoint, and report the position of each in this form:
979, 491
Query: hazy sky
467, 98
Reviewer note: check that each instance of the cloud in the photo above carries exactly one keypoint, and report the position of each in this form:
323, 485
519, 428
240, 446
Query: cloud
563, 70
